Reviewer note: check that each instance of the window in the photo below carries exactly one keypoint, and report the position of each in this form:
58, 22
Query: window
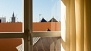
11, 15
46, 15
31, 36
11, 25
46, 25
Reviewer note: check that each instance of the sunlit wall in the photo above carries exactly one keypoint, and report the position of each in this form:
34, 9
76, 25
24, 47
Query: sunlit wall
63, 24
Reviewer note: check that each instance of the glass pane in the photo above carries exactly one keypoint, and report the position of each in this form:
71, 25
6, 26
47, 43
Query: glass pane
11, 44
46, 15
11, 15
46, 43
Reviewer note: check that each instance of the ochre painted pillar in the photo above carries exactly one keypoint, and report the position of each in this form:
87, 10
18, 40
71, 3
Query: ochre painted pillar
66, 2
72, 26
79, 12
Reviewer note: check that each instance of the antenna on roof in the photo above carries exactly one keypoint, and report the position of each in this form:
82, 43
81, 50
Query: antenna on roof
39, 16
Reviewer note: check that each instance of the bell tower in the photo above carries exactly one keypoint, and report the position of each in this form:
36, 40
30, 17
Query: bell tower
13, 18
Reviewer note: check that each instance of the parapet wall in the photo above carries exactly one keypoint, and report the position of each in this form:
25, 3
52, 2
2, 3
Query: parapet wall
11, 27
43, 26
37, 26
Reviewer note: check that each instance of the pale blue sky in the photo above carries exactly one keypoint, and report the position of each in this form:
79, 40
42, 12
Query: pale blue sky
8, 6
48, 9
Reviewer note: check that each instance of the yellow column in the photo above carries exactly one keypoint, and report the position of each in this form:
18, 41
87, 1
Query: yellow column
87, 28
67, 2
79, 10
72, 26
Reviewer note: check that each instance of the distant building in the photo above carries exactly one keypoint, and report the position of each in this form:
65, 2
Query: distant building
43, 20
53, 20
2, 19
13, 19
